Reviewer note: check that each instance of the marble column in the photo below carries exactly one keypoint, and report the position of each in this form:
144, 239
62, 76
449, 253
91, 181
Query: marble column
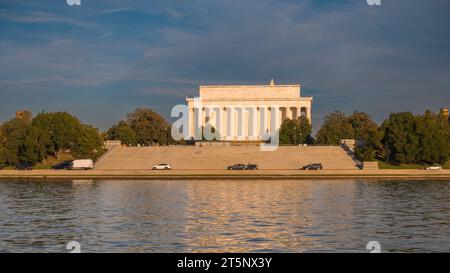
263, 120
308, 114
253, 117
230, 123
258, 124
223, 124
240, 122
280, 115
245, 123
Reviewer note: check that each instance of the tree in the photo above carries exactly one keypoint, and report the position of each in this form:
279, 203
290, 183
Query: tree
61, 130
122, 131
294, 132
89, 143
288, 132
445, 121
432, 134
400, 138
367, 134
2, 147
27, 140
33, 148
448, 134
14, 133
304, 130
335, 127
150, 127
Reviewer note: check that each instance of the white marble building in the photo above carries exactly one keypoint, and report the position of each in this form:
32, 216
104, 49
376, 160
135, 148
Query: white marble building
245, 112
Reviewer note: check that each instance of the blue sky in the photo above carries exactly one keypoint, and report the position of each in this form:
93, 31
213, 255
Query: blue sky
103, 59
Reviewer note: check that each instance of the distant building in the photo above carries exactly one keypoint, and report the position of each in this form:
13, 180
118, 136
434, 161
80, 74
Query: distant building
243, 112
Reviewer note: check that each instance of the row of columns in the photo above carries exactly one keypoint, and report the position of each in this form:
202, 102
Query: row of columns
240, 122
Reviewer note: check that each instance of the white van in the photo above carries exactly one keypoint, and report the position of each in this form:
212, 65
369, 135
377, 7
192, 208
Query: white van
82, 164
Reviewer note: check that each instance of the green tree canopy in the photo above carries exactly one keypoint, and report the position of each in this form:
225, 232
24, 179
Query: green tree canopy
432, 132
2, 147
336, 126
368, 135
143, 126
294, 132
122, 131
24, 139
149, 126
33, 148
61, 130
400, 138
89, 144
14, 133
422, 139
363, 125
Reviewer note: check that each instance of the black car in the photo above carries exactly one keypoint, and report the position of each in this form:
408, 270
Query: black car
24, 167
243, 167
62, 165
237, 167
315, 166
251, 167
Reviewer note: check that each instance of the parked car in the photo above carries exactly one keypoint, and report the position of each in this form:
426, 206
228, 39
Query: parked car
82, 164
243, 167
237, 167
434, 167
251, 167
315, 166
163, 166
62, 165
24, 167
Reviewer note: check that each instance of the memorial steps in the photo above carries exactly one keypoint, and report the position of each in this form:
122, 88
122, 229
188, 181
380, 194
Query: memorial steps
219, 157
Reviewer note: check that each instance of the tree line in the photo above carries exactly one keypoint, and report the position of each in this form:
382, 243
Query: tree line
144, 127
401, 138
28, 139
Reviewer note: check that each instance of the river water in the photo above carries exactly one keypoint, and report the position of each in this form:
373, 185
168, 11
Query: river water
225, 216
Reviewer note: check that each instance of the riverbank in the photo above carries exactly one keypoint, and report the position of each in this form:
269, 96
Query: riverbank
223, 174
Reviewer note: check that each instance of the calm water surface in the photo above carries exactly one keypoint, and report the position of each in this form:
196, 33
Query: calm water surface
225, 216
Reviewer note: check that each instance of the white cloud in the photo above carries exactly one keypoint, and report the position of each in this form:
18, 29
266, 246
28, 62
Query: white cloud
111, 11
40, 17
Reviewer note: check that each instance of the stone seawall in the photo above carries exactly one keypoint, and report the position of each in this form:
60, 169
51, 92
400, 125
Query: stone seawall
51, 175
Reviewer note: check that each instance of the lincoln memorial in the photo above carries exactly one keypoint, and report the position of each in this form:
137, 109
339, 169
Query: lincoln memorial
245, 112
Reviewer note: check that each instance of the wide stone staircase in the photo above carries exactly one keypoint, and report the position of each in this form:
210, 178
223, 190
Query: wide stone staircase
219, 157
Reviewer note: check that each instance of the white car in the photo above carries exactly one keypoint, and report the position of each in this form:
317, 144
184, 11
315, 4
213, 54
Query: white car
164, 166
434, 167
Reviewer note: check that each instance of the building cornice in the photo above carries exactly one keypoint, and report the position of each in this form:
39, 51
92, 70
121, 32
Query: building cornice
250, 85
247, 99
